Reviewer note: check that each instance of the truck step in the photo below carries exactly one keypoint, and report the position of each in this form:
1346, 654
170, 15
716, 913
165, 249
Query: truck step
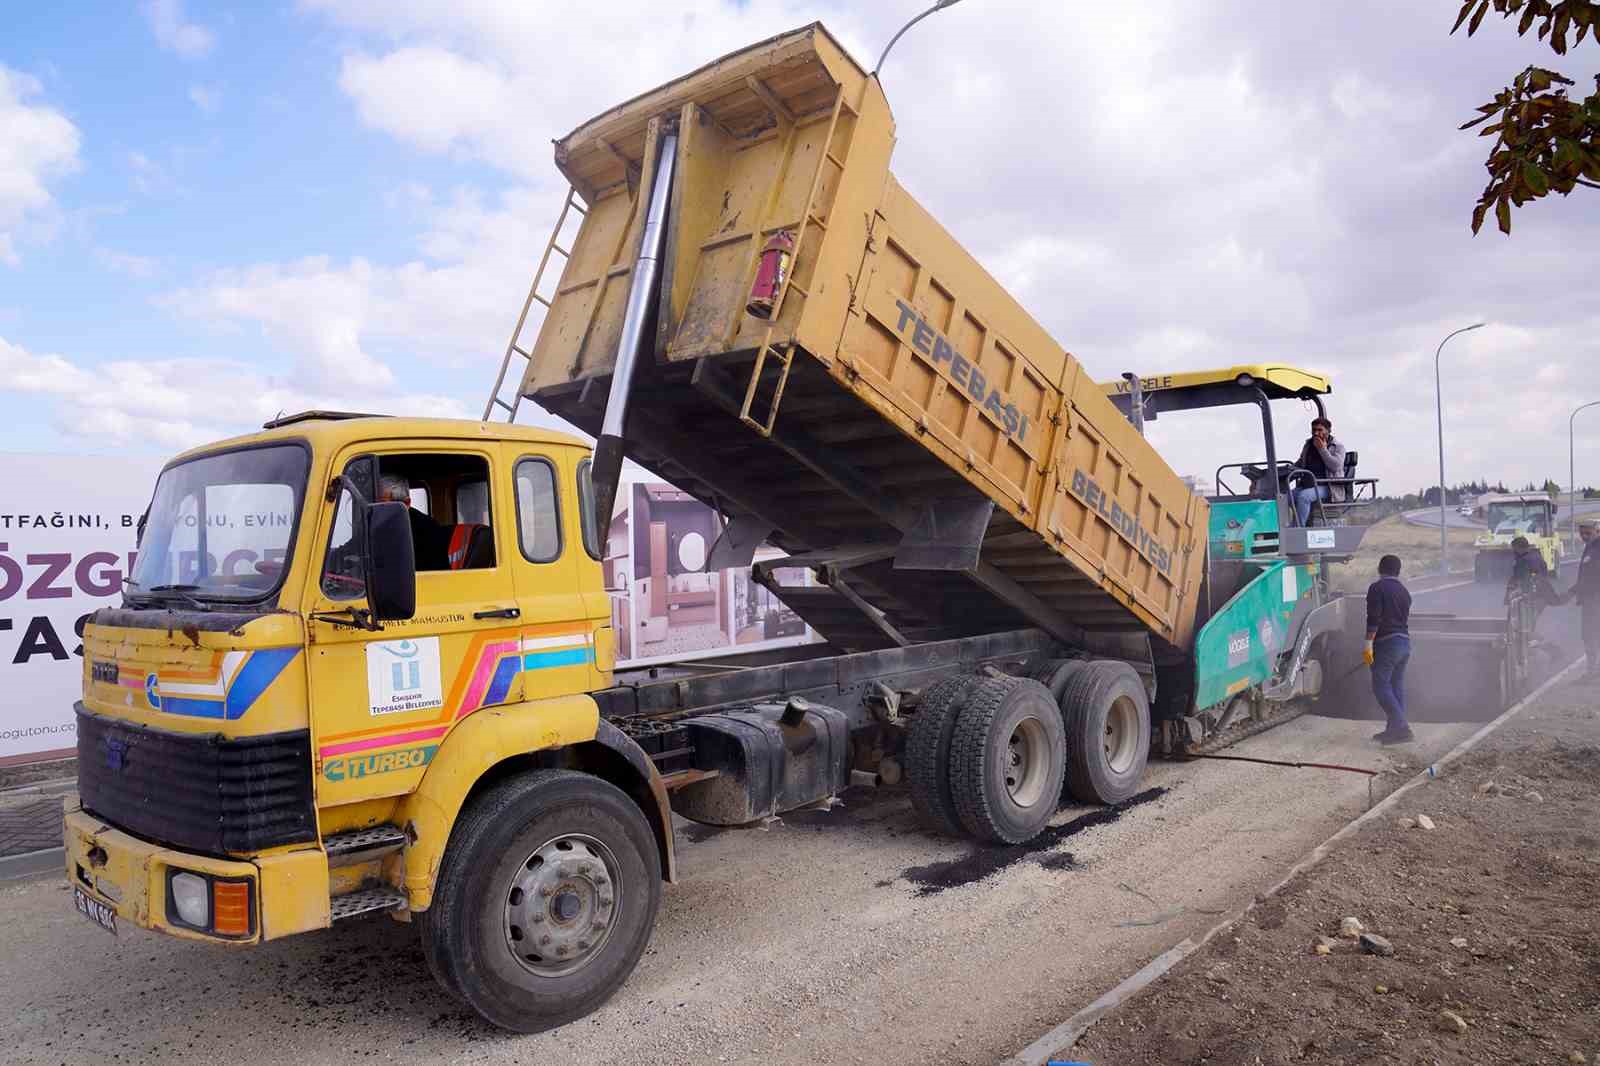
367, 901
365, 843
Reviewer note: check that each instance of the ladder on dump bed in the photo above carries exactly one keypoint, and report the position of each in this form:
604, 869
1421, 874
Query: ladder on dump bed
514, 346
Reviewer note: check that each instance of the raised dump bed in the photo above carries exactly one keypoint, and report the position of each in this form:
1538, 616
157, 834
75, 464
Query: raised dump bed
885, 409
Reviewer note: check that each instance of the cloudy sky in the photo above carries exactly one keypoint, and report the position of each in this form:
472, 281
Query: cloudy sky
212, 213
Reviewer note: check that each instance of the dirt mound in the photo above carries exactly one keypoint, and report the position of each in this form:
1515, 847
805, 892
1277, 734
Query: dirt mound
1492, 918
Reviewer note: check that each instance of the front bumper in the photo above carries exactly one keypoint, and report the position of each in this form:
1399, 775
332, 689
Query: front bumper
289, 890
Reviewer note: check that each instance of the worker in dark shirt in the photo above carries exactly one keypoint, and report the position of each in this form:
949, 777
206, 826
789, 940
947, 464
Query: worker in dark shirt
1586, 591
1530, 579
1388, 648
1527, 569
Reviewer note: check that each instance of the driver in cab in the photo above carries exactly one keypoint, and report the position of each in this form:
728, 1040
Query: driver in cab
429, 540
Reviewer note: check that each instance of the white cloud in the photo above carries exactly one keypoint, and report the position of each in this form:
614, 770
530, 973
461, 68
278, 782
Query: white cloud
37, 144
496, 82
139, 267
207, 98
1164, 185
178, 403
347, 321
437, 100
173, 32
148, 175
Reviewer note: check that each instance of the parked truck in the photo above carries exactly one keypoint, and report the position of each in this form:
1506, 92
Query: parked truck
365, 665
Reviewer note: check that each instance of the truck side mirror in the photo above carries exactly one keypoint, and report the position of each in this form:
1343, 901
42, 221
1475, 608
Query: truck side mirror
391, 563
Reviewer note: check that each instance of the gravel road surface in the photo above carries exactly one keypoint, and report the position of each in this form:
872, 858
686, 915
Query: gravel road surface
848, 936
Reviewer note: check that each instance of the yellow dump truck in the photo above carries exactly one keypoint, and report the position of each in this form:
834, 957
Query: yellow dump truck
1507, 516
366, 665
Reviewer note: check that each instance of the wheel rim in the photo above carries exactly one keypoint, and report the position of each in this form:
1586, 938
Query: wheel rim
1027, 762
1122, 735
562, 905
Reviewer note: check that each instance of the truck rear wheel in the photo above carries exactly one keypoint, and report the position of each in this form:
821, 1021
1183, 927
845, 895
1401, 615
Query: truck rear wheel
1107, 716
1006, 760
545, 901
1055, 673
928, 752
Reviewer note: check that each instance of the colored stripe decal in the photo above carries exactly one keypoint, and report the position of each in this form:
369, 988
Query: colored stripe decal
484, 674
192, 708
254, 677
485, 679
504, 674
382, 742
543, 660
259, 670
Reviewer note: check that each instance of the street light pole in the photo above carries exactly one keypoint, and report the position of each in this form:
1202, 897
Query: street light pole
1572, 469
940, 5
1438, 400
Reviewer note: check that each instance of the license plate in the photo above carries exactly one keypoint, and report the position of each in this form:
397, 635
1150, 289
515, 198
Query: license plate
99, 913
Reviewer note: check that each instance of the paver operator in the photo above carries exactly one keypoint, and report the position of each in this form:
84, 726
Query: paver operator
1324, 457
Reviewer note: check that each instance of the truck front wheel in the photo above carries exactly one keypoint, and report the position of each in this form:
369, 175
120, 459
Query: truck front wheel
1107, 716
545, 901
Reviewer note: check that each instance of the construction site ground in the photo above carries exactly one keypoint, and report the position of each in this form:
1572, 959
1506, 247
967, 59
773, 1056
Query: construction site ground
848, 936
1491, 914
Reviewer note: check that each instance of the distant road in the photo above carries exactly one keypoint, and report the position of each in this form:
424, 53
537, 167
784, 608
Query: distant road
1456, 520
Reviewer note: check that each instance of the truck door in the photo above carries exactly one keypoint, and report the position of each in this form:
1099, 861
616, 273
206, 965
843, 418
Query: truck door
557, 580
383, 700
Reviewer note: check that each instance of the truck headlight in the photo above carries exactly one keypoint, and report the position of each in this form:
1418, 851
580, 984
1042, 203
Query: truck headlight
191, 898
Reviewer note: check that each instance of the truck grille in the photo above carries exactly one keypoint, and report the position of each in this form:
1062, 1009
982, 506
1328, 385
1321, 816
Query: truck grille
204, 793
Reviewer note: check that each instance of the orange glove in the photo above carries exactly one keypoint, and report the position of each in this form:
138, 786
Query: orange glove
1366, 653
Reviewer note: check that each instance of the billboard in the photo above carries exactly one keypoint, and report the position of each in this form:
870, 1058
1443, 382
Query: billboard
665, 606
67, 527
66, 541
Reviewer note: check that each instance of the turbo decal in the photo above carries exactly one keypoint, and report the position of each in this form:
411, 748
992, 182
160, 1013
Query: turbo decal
382, 763
1127, 525
929, 342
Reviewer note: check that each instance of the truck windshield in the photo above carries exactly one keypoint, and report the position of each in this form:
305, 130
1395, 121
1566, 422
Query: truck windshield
1517, 518
220, 526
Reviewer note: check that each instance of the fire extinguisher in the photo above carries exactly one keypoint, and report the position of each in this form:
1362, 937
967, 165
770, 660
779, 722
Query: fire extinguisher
773, 270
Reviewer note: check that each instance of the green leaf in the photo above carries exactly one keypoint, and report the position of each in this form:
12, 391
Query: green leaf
1466, 9
1502, 215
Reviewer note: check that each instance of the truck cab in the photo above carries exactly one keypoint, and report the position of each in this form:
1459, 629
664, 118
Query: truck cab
281, 723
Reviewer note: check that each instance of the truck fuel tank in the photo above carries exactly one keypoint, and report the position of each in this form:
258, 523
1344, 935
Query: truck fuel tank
771, 758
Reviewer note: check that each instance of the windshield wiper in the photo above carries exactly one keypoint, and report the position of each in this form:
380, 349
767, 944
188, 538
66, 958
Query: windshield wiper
180, 592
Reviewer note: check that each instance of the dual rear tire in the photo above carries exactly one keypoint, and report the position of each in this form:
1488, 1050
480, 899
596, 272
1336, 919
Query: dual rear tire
992, 757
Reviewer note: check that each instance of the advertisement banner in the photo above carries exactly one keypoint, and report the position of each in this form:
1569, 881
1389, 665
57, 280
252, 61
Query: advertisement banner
67, 529
66, 540
665, 606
